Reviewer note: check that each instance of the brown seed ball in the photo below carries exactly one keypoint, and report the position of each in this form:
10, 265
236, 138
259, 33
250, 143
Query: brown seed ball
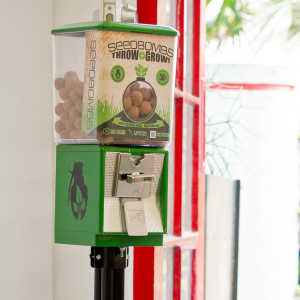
65, 134
145, 108
73, 113
59, 83
77, 123
134, 87
152, 102
74, 134
59, 108
134, 112
68, 104
147, 93
79, 89
63, 93
78, 106
70, 74
74, 96
64, 117
69, 125
59, 126
127, 103
71, 83
137, 98
127, 92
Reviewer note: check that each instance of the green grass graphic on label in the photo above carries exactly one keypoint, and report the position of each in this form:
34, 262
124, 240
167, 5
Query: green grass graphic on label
140, 71
98, 112
107, 109
164, 112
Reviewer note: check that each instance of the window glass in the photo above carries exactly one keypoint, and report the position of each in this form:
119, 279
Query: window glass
186, 274
168, 264
187, 167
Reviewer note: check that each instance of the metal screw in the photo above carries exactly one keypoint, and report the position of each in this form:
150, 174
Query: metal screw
98, 257
122, 252
109, 8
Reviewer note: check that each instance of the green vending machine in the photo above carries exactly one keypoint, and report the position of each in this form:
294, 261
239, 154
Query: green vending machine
113, 102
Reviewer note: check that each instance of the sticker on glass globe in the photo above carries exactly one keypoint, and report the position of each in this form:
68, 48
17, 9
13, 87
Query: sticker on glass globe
117, 73
162, 77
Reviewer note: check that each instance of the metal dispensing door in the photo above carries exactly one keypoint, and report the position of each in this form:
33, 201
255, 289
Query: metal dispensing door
176, 270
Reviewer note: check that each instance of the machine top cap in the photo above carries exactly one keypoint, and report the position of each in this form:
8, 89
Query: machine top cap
116, 26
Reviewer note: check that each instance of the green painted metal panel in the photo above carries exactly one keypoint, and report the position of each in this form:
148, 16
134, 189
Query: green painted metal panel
82, 224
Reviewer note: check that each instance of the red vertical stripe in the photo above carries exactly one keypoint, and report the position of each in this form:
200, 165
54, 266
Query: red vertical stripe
178, 166
143, 273
180, 50
177, 274
202, 128
198, 192
147, 11
179, 121
196, 48
196, 166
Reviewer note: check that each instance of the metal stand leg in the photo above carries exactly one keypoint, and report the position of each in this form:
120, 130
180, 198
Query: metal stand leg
109, 264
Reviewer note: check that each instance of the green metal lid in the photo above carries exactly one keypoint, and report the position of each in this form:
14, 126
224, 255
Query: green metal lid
116, 26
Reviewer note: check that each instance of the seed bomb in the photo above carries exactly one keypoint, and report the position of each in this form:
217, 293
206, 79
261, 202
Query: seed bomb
74, 134
65, 134
127, 103
69, 125
134, 87
77, 123
59, 83
68, 104
63, 93
127, 92
59, 126
78, 106
59, 108
71, 83
70, 74
73, 113
73, 95
147, 94
64, 117
152, 102
134, 112
136, 98
145, 108
79, 89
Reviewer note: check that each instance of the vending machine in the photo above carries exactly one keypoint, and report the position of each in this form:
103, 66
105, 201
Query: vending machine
113, 87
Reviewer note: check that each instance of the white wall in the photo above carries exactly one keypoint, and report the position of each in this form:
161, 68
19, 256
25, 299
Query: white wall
26, 225
32, 267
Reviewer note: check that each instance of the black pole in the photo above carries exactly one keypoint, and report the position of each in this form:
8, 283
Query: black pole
97, 284
109, 264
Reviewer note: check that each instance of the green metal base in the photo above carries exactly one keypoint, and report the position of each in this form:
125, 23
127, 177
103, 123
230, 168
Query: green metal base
96, 240
79, 197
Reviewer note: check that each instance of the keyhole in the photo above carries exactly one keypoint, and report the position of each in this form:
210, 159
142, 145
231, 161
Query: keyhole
137, 161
